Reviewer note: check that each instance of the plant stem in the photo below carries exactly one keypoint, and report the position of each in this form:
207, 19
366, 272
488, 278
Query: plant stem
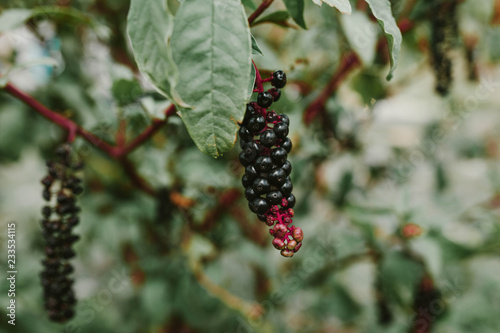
262, 7
118, 152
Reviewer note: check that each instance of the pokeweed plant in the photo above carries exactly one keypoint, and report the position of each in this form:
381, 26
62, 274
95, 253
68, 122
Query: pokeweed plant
200, 60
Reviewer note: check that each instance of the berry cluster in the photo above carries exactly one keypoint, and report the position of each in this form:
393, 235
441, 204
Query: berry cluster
444, 31
61, 186
268, 188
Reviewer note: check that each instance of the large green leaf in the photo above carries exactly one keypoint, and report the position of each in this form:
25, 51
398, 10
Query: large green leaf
211, 46
149, 25
382, 11
296, 10
344, 6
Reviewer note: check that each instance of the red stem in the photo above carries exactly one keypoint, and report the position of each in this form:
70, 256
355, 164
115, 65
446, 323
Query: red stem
258, 79
347, 63
262, 7
118, 152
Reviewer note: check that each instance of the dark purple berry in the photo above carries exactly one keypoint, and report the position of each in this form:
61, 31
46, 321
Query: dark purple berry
46, 211
263, 163
249, 113
259, 206
244, 159
261, 186
271, 116
250, 194
277, 177
276, 94
281, 130
245, 134
287, 167
278, 79
274, 197
287, 145
256, 123
246, 180
264, 99
268, 138
286, 188
284, 119
262, 217
251, 171
291, 201
279, 156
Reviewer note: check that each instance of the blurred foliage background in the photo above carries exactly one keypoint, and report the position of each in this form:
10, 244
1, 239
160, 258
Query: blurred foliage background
397, 186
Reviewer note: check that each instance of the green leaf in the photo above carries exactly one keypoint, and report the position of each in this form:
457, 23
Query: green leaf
255, 47
249, 4
149, 26
213, 57
296, 10
251, 82
382, 11
126, 91
14, 18
278, 17
11, 19
344, 6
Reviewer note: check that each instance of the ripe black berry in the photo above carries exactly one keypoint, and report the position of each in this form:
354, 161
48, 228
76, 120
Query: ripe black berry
284, 119
250, 194
268, 138
278, 79
271, 116
286, 144
259, 206
276, 94
291, 201
279, 156
251, 171
286, 188
287, 167
246, 160
264, 99
274, 197
246, 180
250, 111
261, 186
277, 177
245, 134
263, 163
281, 130
256, 123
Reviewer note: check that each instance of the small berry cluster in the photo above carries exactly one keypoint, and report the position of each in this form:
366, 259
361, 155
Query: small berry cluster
61, 186
444, 31
268, 188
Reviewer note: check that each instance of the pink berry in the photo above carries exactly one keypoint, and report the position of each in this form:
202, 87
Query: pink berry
297, 247
280, 230
278, 244
291, 244
291, 212
298, 234
287, 253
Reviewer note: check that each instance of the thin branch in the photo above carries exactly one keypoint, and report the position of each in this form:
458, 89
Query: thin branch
347, 63
118, 152
134, 176
262, 7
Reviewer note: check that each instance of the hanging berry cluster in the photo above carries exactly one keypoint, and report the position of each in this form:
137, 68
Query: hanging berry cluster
444, 31
60, 215
268, 188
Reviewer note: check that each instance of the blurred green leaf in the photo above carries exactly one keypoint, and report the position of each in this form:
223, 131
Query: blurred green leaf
149, 25
344, 6
296, 10
381, 9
